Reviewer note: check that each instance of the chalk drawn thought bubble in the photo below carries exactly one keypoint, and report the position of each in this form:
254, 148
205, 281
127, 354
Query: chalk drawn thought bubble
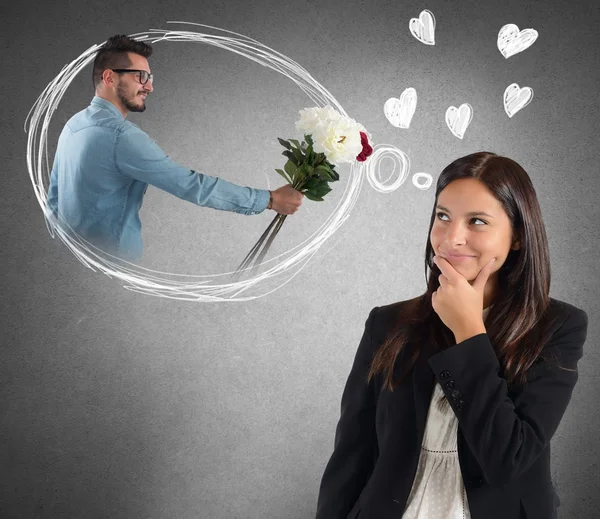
197, 287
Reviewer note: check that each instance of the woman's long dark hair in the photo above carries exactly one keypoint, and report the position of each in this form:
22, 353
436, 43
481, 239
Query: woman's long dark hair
517, 323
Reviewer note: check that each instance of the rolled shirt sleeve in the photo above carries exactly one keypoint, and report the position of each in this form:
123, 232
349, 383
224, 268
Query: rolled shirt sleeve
139, 157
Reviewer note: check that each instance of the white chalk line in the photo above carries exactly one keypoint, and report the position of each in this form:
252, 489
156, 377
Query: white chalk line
205, 288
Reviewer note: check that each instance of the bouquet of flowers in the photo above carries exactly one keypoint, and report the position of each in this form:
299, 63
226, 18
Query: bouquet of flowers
329, 139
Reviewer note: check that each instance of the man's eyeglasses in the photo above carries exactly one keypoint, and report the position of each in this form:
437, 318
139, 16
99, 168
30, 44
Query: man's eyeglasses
142, 75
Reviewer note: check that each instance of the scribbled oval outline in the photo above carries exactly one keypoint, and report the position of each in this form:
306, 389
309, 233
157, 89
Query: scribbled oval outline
205, 288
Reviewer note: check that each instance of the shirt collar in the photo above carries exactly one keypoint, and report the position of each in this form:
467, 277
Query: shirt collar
99, 101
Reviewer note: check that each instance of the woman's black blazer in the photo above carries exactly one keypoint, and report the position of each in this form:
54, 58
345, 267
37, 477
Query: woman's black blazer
503, 436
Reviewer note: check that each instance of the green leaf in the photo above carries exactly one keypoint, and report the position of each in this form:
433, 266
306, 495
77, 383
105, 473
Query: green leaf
280, 171
303, 173
290, 169
284, 143
312, 197
295, 142
312, 183
291, 157
309, 169
321, 190
334, 175
308, 139
298, 154
325, 173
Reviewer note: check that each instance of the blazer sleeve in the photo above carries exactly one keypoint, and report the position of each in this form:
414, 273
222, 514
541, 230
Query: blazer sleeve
506, 436
355, 444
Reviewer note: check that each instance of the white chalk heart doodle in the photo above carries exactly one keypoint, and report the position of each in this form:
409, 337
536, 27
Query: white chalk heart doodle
511, 41
423, 27
399, 112
458, 119
516, 98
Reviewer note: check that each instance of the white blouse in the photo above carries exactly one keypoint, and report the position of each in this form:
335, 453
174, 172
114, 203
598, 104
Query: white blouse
438, 491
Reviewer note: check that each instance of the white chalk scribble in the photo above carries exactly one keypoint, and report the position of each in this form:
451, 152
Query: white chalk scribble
426, 176
373, 168
458, 119
190, 287
399, 112
516, 98
511, 41
423, 27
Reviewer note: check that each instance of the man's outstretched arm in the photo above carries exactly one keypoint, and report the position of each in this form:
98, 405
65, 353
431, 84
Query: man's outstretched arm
139, 157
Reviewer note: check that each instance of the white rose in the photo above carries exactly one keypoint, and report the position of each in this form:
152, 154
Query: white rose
339, 140
310, 118
335, 135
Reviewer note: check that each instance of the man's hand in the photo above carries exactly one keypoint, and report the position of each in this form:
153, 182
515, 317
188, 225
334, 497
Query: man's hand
286, 200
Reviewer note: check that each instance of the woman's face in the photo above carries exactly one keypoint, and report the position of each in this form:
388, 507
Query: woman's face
470, 228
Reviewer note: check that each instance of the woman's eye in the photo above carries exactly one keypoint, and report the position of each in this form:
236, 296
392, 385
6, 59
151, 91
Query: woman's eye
439, 215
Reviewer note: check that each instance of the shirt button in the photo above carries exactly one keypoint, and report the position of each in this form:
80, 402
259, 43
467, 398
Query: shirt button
455, 394
459, 405
445, 374
450, 385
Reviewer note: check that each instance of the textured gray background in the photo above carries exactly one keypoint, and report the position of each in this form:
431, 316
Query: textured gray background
115, 404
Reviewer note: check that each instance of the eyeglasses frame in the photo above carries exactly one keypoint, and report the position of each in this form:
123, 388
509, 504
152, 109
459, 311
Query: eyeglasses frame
124, 70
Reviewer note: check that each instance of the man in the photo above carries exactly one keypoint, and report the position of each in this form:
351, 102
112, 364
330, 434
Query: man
103, 163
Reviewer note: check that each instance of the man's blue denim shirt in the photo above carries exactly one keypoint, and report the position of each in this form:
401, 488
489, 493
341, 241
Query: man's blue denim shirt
102, 168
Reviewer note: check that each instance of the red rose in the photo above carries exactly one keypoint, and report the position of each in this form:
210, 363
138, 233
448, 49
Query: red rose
366, 148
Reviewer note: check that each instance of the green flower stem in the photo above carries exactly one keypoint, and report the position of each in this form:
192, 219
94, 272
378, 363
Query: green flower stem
250, 256
281, 218
277, 223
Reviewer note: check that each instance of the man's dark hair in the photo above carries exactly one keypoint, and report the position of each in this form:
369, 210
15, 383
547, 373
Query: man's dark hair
113, 54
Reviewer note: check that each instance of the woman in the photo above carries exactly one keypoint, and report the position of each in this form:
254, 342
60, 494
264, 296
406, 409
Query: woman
486, 346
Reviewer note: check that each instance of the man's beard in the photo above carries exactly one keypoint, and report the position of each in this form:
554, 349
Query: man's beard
127, 103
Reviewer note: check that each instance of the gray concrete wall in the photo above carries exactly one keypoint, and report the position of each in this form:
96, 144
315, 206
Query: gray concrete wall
122, 405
